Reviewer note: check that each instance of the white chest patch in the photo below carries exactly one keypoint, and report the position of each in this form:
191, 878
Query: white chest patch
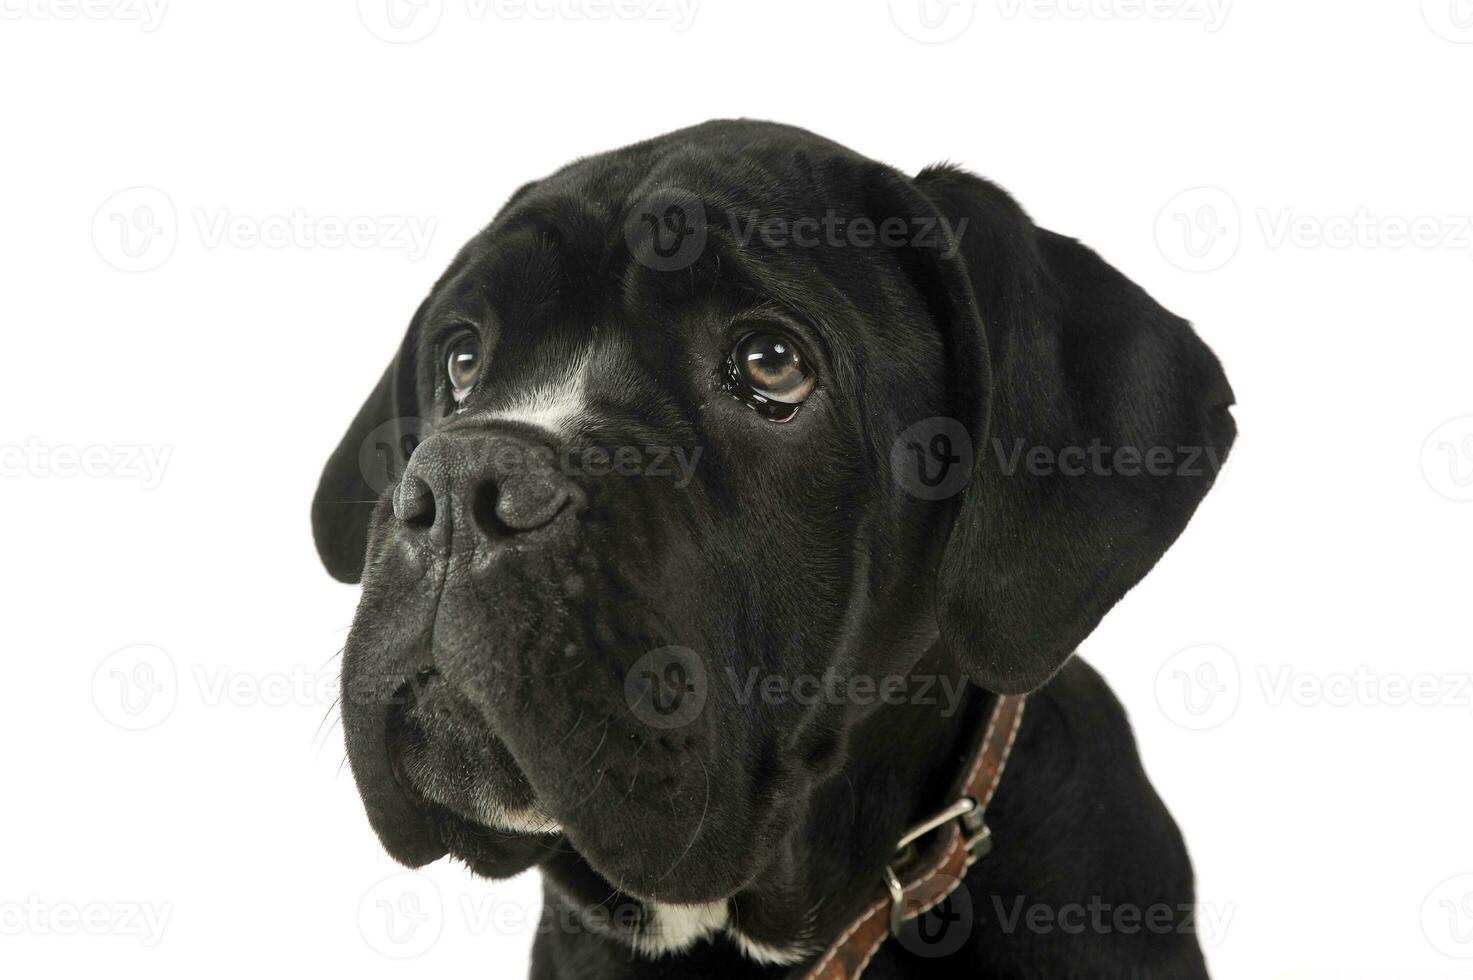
675, 928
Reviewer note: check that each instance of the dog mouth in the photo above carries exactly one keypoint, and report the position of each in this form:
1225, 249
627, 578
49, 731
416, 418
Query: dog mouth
436, 780
449, 764
486, 721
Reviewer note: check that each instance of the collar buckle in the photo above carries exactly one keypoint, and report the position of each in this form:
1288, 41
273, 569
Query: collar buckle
975, 836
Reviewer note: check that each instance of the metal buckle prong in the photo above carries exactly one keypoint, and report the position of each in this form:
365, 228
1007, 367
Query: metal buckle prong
976, 834
960, 808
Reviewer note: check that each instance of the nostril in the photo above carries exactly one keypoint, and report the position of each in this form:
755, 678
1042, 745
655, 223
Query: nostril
414, 502
483, 511
522, 504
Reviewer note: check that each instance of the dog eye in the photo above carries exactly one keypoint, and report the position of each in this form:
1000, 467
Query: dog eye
463, 363
768, 371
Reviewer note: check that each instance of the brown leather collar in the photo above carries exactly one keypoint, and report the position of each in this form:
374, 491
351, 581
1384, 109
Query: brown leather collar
933, 857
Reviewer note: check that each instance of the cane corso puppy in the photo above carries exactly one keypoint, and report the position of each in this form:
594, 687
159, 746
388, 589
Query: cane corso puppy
717, 489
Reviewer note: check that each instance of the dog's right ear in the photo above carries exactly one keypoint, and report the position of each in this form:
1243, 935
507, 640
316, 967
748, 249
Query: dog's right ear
364, 463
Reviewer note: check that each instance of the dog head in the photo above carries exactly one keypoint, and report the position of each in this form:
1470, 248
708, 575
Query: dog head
733, 400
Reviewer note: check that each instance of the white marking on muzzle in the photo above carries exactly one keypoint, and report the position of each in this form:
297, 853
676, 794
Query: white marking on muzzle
555, 406
516, 820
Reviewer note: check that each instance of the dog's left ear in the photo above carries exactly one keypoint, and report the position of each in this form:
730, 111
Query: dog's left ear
376, 439
1098, 421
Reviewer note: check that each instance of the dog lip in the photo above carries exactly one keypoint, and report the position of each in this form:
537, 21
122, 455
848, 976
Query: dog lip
405, 830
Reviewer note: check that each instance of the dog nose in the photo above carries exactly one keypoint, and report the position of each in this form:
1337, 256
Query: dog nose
493, 485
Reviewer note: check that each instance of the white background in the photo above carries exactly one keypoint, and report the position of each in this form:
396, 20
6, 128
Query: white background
1263, 663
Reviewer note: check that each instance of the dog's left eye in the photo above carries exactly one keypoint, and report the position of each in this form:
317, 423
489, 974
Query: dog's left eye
768, 371
462, 364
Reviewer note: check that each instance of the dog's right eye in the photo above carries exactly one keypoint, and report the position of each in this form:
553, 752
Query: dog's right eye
462, 364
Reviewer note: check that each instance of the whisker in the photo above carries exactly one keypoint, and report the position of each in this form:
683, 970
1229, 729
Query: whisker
705, 806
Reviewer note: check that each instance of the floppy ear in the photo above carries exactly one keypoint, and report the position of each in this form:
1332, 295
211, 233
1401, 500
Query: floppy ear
366, 461
1098, 421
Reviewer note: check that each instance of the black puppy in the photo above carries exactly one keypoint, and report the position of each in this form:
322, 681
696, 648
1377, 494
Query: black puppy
746, 474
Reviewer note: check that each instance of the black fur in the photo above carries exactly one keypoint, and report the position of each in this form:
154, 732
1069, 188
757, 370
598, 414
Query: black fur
793, 551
